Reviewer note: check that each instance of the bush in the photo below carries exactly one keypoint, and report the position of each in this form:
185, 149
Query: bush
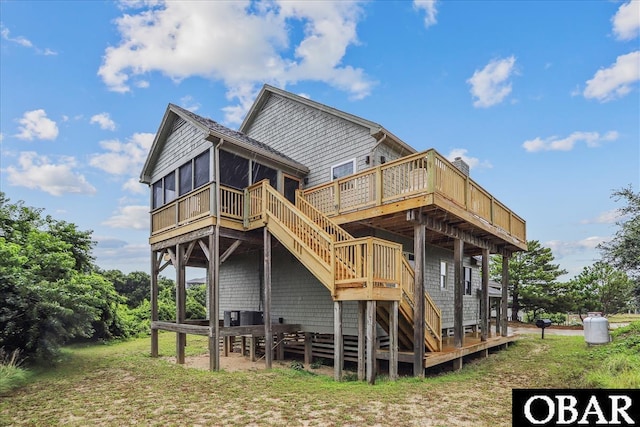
11, 374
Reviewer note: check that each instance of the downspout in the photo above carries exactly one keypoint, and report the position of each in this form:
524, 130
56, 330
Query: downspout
378, 142
216, 252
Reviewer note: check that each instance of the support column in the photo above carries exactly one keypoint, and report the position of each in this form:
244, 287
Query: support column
308, 348
498, 316
393, 341
213, 284
268, 331
154, 302
338, 343
484, 297
505, 293
362, 315
181, 338
371, 342
458, 292
418, 311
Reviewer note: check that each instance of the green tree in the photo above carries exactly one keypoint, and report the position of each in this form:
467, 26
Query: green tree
532, 278
49, 295
135, 286
599, 287
623, 251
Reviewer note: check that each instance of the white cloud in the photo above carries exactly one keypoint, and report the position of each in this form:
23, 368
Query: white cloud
36, 125
104, 121
491, 85
37, 172
123, 158
189, 103
135, 186
562, 249
607, 217
616, 81
553, 143
136, 217
626, 22
473, 162
185, 39
113, 253
24, 42
430, 11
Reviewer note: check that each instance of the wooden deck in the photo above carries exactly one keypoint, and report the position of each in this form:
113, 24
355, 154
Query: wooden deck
380, 197
471, 345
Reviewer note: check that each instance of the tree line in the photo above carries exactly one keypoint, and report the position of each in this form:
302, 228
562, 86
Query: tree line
610, 285
52, 292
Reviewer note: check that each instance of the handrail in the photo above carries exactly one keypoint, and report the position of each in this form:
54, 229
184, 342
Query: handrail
426, 172
321, 219
432, 314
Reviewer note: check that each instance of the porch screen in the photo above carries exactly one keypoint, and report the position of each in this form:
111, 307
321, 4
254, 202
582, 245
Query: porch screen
234, 170
261, 172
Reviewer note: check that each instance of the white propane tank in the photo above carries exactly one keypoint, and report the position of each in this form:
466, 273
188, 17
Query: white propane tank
596, 329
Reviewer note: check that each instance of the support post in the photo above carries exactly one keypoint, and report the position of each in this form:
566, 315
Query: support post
498, 316
308, 348
457, 363
154, 302
371, 342
418, 311
362, 315
458, 292
213, 282
268, 332
338, 343
505, 293
484, 297
393, 341
181, 338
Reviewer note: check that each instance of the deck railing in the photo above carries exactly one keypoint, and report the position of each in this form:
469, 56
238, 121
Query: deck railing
422, 173
432, 314
196, 205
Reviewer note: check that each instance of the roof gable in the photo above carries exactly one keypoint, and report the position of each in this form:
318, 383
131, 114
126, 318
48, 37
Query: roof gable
214, 132
375, 129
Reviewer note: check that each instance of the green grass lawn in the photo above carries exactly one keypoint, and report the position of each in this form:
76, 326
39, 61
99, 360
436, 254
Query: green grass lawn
623, 318
119, 384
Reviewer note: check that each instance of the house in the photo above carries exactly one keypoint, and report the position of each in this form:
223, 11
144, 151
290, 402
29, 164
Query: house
349, 243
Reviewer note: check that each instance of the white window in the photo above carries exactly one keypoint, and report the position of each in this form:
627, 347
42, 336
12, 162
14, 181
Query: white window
343, 169
443, 274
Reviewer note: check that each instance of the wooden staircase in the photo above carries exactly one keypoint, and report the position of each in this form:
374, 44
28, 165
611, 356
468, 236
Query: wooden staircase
352, 269
432, 315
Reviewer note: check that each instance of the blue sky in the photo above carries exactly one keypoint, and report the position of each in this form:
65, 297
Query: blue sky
541, 98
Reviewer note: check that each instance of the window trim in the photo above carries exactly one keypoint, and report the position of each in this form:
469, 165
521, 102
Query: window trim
352, 161
443, 283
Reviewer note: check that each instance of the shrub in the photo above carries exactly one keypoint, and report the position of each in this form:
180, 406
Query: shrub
12, 375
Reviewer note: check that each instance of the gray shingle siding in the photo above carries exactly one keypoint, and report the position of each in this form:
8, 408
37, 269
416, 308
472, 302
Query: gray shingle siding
184, 143
314, 138
296, 295
444, 298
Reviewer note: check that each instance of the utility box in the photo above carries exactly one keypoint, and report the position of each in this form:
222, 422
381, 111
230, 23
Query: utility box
231, 318
248, 318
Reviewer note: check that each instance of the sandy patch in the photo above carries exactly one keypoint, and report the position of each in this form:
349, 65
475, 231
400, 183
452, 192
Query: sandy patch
237, 362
